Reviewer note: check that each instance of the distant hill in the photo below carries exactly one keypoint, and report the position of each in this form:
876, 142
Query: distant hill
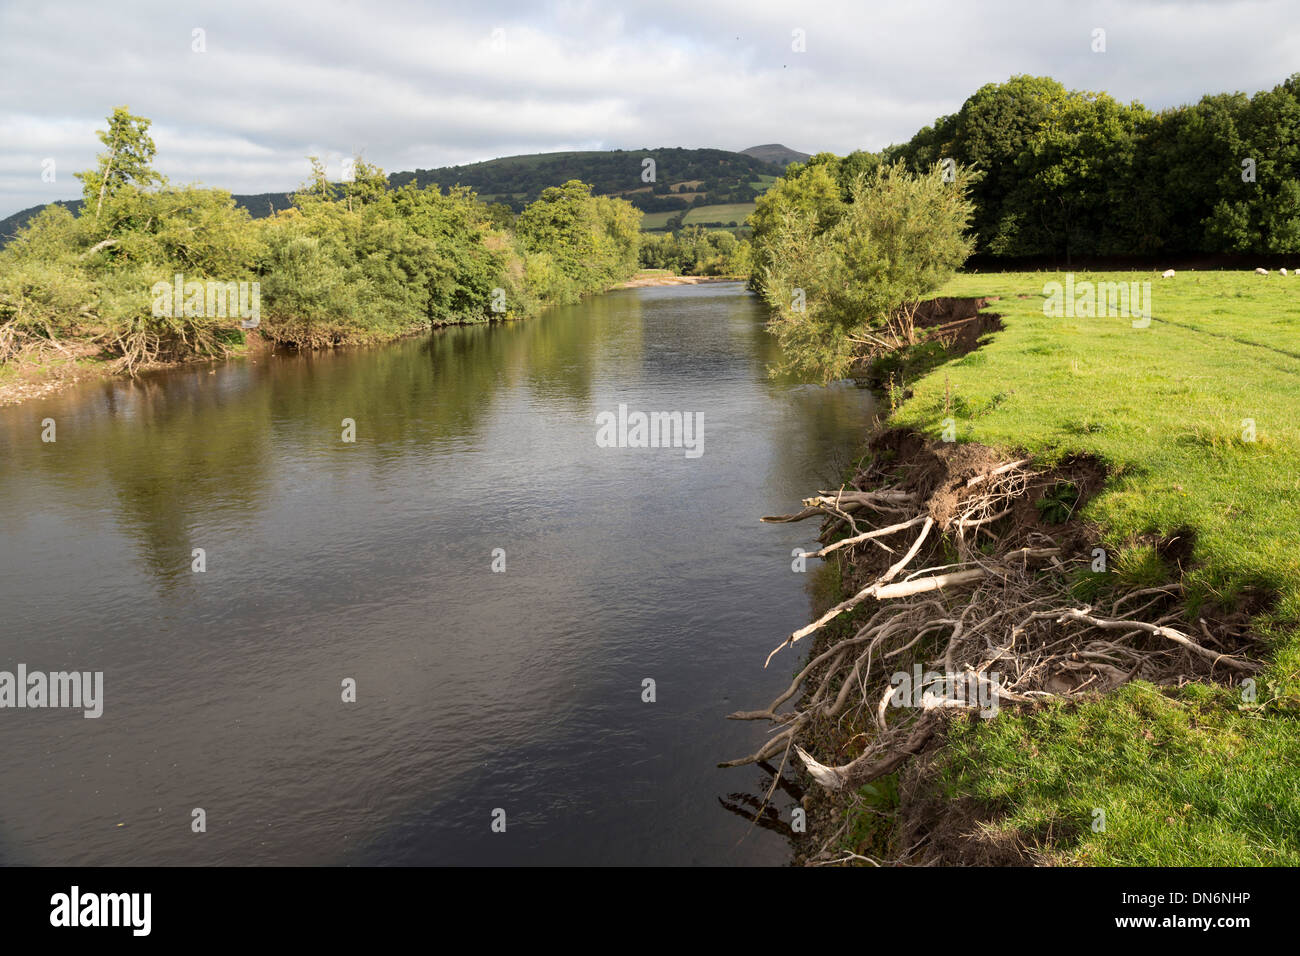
11, 224
776, 154
258, 207
683, 179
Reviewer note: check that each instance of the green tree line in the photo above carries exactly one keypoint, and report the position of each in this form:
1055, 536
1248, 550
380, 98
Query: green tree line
696, 251
348, 263
1072, 172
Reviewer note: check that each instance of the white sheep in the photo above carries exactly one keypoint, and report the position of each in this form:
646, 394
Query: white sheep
1167, 274
1261, 272
1283, 271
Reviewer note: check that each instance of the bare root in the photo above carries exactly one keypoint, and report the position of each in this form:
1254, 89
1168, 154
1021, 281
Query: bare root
999, 625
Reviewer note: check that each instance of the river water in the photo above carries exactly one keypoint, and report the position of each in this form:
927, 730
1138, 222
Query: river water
476, 691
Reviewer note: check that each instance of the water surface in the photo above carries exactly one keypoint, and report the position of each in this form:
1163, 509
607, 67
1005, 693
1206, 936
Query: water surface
372, 561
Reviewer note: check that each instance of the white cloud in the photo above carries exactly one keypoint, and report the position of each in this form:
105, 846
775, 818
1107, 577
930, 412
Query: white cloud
420, 85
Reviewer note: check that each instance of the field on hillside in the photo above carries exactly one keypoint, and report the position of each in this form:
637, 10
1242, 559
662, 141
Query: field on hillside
1197, 417
724, 213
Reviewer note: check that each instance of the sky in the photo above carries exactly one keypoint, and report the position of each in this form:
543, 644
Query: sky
409, 85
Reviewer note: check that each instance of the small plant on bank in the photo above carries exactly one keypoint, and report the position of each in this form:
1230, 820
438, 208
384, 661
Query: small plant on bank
1058, 505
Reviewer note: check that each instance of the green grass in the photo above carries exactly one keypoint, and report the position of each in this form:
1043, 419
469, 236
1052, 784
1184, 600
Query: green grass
723, 212
1163, 407
1181, 782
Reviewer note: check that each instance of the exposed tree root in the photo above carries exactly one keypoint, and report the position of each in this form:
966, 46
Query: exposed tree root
976, 614
146, 342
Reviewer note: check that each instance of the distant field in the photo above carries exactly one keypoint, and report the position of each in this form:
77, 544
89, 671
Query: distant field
725, 212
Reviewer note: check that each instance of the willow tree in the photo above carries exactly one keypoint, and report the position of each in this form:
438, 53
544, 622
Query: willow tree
846, 285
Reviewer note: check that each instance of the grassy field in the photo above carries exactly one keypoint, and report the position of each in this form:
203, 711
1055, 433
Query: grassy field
723, 212
1196, 776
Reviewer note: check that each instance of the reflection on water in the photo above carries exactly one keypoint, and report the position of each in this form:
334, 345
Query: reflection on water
372, 561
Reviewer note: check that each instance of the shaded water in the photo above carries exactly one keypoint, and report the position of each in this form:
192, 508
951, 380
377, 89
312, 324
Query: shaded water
325, 560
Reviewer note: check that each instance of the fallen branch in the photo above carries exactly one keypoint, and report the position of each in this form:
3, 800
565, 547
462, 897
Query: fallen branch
866, 536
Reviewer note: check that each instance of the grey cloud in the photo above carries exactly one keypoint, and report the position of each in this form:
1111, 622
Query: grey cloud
417, 84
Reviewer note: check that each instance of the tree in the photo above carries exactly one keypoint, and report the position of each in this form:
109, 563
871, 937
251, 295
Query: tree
591, 240
1077, 178
317, 189
989, 133
367, 185
809, 193
127, 162
1261, 212
850, 287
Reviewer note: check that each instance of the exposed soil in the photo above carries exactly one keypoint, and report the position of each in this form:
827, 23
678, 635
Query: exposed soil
25, 380
954, 832
958, 322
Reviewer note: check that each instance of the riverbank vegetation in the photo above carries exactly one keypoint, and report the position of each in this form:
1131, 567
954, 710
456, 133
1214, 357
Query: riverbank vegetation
843, 253
1195, 418
695, 251
346, 264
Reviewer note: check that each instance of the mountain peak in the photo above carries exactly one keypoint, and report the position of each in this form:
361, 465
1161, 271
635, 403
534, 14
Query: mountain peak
776, 153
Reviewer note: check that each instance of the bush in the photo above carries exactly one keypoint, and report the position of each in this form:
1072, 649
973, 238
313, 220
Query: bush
841, 277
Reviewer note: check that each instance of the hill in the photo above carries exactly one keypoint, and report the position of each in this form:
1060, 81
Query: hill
776, 154
683, 178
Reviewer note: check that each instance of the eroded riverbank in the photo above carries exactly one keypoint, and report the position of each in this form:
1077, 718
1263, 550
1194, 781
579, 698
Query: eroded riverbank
1127, 650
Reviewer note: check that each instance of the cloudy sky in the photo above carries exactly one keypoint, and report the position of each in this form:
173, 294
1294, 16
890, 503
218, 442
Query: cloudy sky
431, 84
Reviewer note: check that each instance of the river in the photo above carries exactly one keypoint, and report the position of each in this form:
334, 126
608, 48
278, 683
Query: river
371, 561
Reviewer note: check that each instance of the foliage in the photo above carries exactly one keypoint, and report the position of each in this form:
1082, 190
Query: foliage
126, 164
842, 275
696, 251
350, 262
1073, 172
592, 241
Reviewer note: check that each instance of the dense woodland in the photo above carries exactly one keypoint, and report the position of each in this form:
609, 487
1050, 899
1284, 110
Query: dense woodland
1070, 172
